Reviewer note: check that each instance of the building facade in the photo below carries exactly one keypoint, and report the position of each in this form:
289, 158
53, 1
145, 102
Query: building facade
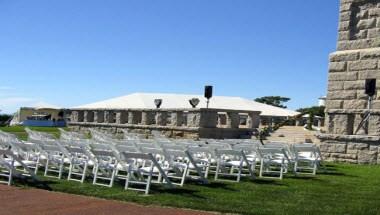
349, 137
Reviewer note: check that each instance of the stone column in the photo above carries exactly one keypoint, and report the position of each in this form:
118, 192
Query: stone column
109, 116
176, 118
88, 116
80, 116
121, 117
233, 120
208, 118
147, 117
253, 120
134, 117
74, 116
161, 118
193, 119
99, 116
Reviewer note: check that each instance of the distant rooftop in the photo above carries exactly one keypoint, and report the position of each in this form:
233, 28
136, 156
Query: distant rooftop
172, 101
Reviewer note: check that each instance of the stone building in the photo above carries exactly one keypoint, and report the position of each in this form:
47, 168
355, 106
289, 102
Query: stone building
357, 59
226, 117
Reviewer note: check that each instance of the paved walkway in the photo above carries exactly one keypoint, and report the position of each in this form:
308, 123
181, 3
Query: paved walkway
16, 201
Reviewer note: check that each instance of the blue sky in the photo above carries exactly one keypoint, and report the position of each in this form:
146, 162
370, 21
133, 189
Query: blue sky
75, 52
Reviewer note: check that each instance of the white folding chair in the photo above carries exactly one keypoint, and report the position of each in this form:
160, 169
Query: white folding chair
8, 163
80, 159
56, 156
306, 159
204, 158
180, 163
139, 173
273, 161
230, 160
106, 164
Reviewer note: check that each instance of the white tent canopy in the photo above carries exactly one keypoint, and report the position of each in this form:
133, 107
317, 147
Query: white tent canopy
44, 105
172, 101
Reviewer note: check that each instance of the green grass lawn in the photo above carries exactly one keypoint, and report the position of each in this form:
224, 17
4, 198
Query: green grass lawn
339, 189
20, 131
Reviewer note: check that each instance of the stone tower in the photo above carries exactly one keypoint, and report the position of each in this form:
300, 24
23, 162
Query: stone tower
357, 59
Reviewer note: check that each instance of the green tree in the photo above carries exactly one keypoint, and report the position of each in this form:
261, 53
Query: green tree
312, 111
277, 101
4, 118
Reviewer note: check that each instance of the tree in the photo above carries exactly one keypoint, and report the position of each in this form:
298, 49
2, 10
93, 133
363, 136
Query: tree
4, 118
314, 110
277, 101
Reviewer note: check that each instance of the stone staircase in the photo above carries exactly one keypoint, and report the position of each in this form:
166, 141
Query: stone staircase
293, 134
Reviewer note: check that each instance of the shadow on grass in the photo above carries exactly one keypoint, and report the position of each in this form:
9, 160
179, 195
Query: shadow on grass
29, 182
177, 191
268, 181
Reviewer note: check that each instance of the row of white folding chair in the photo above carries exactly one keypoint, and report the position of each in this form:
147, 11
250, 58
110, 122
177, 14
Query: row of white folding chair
10, 165
70, 135
112, 162
26, 157
38, 135
304, 157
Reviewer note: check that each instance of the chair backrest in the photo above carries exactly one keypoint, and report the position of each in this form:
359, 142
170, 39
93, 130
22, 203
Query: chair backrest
104, 152
54, 150
127, 148
173, 147
309, 149
273, 153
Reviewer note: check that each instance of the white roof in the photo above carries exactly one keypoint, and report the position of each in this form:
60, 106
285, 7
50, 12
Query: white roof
178, 101
44, 105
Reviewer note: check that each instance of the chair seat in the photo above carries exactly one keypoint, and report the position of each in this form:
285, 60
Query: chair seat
155, 169
234, 163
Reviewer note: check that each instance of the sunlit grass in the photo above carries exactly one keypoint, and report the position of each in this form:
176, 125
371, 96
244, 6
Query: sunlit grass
338, 189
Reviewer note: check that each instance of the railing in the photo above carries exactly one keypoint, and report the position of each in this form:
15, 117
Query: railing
173, 119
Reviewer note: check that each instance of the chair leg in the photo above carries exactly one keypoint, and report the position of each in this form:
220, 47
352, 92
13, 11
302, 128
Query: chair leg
127, 181
46, 167
239, 174
217, 171
10, 177
112, 177
207, 171
261, 168
315, 168
60, 170
95, 174
36, 167
84, 173
70, 171
148, 183
185, 171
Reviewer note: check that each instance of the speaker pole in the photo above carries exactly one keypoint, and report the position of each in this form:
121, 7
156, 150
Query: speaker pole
208, 102
366, 116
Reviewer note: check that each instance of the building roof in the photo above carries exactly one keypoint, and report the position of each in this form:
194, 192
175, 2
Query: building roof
44, 105
174, 101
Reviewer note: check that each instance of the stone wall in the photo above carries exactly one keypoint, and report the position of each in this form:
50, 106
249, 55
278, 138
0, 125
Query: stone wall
357, 59
187, 123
